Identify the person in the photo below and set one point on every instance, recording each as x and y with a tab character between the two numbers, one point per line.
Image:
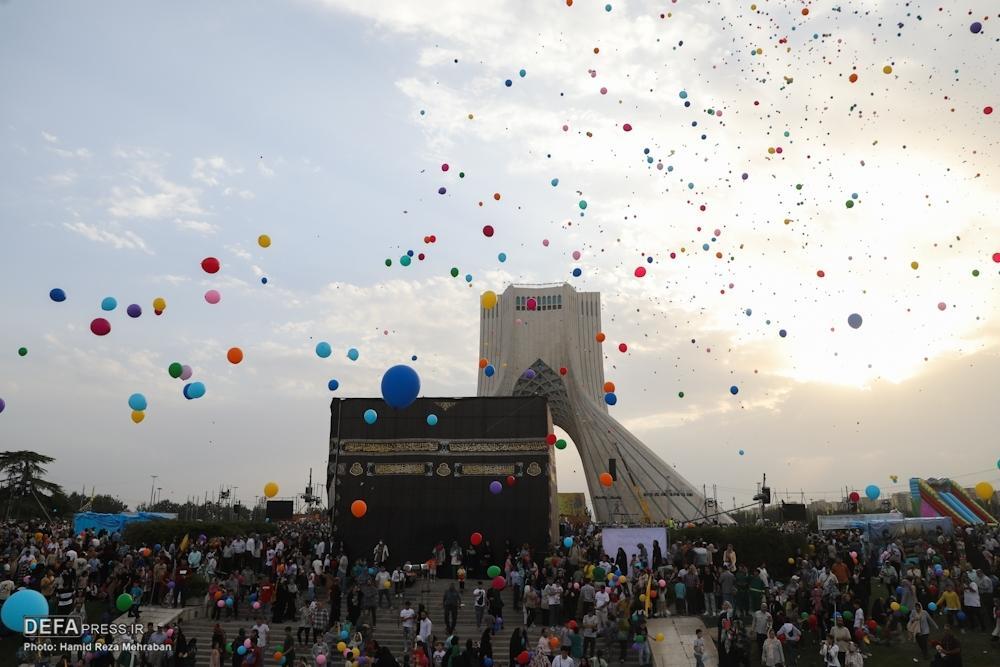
479	603
380	554
952	605
485	648
772	654
590	626
518	642
828	650
972	602
699	648
320	620
949	650
425	632
263	630
920	624
762	624
854	656
305	622
543	647
792	635
450	602
563	659
408	621
842	636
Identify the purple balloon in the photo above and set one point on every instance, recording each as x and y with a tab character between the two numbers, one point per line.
529	374
186	372
2	405
134	310
495	487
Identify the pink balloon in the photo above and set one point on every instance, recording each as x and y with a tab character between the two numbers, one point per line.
942	305
247	643
320	659
256	605
170	632
186	372
220	604
213	296
576	254
545	242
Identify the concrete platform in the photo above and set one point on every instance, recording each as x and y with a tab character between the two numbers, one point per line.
677	647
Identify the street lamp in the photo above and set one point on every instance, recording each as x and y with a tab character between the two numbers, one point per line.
151	491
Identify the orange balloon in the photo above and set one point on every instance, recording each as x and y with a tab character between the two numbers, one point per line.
235	355
609	387
359	508
553	642
483	363
606	479
600	337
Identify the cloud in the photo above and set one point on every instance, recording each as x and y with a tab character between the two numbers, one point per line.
51	138
152	196
198	226
242	194
212	170
264	169
62	178
124	240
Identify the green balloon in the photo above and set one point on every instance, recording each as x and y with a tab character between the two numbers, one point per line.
560	444
599	574
175	369
23	351
848	616
124	602
388	262
454	272
493	571
229	647
903	609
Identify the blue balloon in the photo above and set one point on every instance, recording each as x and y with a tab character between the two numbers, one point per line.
567	542
400	386
242	650
57	295
370	416
229	602
344	634
253	597
109	303
371	570
742	452
495	487
24	603
413	358
323	349
961	616
432	420
263	280
872	492
353	354
854	320
487	662
489	370
577	272
502	257
610	398
932	606
332	385
137	402
194	390
734	390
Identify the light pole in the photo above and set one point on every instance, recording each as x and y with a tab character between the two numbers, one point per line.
151	488
158	489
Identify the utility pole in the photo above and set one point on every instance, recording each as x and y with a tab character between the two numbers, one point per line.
151	492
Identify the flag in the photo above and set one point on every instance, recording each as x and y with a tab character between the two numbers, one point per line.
185	543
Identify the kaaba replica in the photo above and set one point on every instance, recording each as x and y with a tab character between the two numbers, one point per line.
425	484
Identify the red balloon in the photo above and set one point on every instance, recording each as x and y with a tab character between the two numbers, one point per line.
488	231
510	480
210	265
550	439
855	497
476	539
640	271
563	370
499	582
622	347
523	658
100	326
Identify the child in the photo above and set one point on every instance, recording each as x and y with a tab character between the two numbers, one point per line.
438	654
699	649
489	621
461	578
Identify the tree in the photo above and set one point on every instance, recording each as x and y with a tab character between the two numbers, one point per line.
25	484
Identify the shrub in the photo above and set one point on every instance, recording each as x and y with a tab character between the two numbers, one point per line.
166	531
754	544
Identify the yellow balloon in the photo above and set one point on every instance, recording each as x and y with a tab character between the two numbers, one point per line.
341	646
387	584
356	651
659	636
270	490
264	241
488	299
159	303
791	561
984	490
894	606
138	416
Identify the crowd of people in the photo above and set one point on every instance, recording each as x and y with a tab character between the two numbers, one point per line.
306	601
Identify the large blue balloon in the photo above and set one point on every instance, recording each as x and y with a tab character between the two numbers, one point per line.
109	303
854	320
400	386
353	354
610	398
194	390
872	492
323	349
57	295
370	416
24	603
137	402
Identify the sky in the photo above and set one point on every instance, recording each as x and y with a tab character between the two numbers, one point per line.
725	147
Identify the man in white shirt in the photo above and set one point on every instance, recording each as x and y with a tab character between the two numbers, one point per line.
239	552
426	631
563	659
601	600
251	546
407	619
554	594
792	635
479	603
263	629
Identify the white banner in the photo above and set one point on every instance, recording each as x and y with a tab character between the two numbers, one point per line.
629	539
852	521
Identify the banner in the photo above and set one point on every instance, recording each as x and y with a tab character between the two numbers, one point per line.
853	521
629	539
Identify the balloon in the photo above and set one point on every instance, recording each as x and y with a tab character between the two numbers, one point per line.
622	347
137	402
640	271
264	241
872	492
523	658
606	479
531	303
359	508
175	369
854	496
567	542
320	659
186	372
138	416
490	370
560	444
932	606
984	491
499	583
550	439
23	603
370	416
493	571
353	354
734	390
242	650
210	265
511	480
432	420
159	304
600	337
476	539
488	300
57	295
234	355
609	387
854	320
323	349
218	603
341	646
100	326
610	398
124	602
134	310
488	231
400	386
332	385
495	487
213	297
109	303
194	390
270	490
22	351
894	606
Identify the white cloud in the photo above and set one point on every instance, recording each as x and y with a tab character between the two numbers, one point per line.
264	169
62	178
211	170
127	239
242	194
152	196
198	226
51	138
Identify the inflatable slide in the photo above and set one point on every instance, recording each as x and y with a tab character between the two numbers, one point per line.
943	497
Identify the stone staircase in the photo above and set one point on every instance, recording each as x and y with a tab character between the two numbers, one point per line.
387	633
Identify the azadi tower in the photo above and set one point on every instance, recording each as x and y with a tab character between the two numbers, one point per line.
530	335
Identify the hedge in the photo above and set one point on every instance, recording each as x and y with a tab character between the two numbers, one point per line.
753	544
166	531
